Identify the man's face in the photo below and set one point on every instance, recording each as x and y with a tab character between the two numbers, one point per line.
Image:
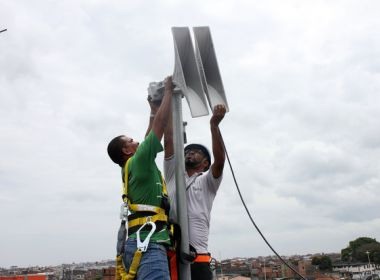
129	146
194	157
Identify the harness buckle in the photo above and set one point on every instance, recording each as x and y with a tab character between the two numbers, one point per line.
124	211
143	245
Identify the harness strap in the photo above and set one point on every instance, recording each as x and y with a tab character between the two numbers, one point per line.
173	264
187	258
134	265
143	220
125	179
121	274
202	258
192	182
159	213
144	207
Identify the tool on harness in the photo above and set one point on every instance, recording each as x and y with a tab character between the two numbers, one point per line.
123	230
124	211
122	235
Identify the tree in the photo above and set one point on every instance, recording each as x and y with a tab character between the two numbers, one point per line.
316	261
326	263
356	251
376	257
323	262
372	249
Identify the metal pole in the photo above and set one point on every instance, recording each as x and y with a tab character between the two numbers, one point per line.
184	267
369	263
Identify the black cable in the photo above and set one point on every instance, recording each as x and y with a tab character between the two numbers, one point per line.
250	217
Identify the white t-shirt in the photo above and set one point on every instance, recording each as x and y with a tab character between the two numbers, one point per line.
201	190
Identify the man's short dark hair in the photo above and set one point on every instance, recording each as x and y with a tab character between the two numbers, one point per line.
114	150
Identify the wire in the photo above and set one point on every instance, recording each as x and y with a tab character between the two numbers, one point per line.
250	216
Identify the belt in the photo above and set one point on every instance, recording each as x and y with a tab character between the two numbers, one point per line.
203	258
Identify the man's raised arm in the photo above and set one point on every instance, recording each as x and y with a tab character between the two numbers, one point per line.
162	116
217	141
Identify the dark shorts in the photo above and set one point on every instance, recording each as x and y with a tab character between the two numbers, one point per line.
201	271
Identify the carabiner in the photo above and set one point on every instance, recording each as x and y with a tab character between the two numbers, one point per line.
143	246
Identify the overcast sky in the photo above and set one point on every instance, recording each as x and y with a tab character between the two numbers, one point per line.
302	79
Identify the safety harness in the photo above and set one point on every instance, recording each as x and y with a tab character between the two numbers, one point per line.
141	216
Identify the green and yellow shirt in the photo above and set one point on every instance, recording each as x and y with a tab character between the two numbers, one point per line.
145	182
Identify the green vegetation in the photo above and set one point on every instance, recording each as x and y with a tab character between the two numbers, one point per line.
358	248
324	263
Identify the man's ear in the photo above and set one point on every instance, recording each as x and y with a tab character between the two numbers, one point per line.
125	150
205	164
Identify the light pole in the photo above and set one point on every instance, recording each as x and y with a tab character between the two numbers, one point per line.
191	77
185	67
369	262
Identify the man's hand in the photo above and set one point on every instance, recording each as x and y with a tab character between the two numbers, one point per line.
168	83
218	114
162	116
153	105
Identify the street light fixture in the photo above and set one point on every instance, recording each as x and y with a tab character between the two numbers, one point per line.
369	262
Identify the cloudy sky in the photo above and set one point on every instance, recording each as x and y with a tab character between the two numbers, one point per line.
302	79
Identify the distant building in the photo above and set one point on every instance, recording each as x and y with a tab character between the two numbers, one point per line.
109	273
356	270
42	276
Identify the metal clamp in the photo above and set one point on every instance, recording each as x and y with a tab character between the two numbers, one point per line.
124	210
143	246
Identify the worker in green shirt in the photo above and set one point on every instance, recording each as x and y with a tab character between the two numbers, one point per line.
145	193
